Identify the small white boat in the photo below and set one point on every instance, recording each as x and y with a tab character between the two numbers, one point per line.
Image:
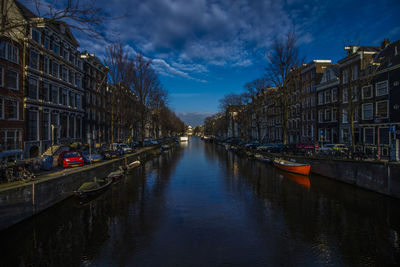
183	139
133	165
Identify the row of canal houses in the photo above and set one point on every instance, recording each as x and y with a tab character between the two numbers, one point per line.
323	96
50	92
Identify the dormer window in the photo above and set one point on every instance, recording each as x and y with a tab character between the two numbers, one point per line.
36	36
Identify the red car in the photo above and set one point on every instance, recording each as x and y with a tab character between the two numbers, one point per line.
70	159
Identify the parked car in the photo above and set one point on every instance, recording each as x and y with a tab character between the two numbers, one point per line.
91	157
252	145
264	147
70	159
127	149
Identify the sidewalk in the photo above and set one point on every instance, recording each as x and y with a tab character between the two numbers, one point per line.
59	171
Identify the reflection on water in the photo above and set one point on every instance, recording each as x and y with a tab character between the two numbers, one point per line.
204	206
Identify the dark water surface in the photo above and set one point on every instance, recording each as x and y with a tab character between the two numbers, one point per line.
200	205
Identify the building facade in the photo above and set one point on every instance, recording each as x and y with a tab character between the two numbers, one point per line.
12	126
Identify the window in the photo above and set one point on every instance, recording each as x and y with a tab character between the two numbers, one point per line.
354	75
78	101
344	116
345	135
9	51
327	97
32	125
12	109
71	127
366	92
72	58
369	136
34	60
65	54
355	94
36	36
56	48
71	99
327	115
64	99
345	95
381	88
382	108
79	64
54	94
334	94
320	98
12	53
334	114
1	76
46	92
320	115
367	111
345	76
47	43
64	73
78	80
46	126
2	108
33	88
384	135
71	77
10	139
46	68
12	80
55	69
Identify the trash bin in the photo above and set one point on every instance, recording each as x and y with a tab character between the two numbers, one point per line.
46	162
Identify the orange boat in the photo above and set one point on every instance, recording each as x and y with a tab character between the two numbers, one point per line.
299	168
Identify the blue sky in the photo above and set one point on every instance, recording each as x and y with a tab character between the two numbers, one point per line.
204	49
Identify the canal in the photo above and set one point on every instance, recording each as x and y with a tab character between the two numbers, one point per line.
200	205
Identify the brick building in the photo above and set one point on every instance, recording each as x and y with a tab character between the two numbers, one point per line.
11	100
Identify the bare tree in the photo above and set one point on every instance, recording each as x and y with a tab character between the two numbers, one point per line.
283	57
83	15
254	98
144	82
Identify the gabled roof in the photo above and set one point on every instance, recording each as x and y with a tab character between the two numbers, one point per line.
387	56
55	25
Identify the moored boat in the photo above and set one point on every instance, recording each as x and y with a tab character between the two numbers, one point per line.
116	175
133	165
299	168
90	189
262	158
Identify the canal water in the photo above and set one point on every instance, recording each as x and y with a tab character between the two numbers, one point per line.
200	205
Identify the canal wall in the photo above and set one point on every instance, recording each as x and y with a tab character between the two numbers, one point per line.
22	201
381	177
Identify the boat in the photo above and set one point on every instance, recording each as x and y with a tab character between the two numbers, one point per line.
132	165
262	158
183	139
90	189
165	147
294	167
116	175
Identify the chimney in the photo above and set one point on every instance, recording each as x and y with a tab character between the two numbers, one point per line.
385	43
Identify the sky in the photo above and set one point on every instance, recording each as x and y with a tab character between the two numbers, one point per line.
205	49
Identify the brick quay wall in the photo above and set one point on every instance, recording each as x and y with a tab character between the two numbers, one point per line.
22	201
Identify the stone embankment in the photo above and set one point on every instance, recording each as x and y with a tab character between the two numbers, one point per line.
22	201
378	176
